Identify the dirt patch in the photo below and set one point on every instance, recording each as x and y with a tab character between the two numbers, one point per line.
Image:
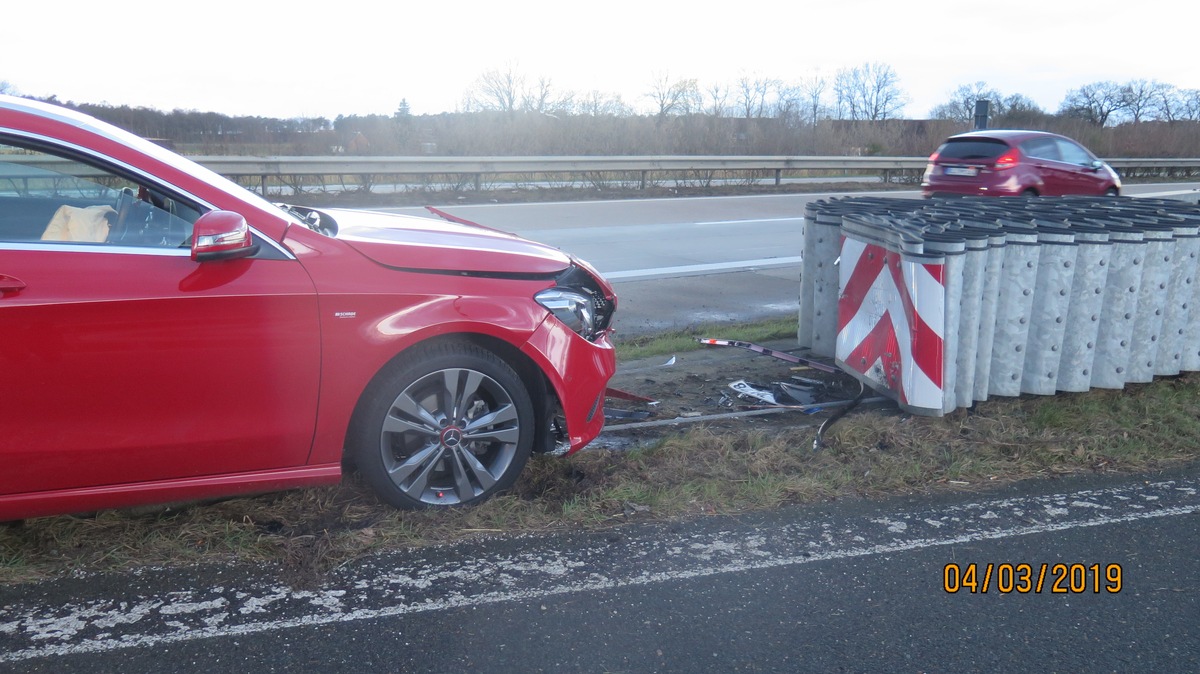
695	387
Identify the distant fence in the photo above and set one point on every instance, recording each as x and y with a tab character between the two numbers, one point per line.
272	174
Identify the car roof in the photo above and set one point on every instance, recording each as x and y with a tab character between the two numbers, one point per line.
1009	135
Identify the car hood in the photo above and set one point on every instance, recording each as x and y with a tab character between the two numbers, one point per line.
424	244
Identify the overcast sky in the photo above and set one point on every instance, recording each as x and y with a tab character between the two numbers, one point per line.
301	58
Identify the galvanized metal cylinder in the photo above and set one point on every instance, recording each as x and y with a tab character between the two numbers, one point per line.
1110	367
1152	296
1018	279
1087	303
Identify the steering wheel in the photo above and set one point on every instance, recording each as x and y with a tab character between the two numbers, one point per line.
124	208
145	217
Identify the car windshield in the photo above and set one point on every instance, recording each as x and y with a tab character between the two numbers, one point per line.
972	148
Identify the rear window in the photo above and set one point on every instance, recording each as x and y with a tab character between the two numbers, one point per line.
972	148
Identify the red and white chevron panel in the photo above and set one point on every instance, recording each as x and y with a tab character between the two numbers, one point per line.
891	323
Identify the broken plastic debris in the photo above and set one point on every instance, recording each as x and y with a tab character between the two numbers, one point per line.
750	391
799	394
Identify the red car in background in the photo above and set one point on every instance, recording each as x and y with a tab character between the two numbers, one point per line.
1016	163
169	336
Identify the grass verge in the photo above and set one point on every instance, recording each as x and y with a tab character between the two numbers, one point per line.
694	473
684	340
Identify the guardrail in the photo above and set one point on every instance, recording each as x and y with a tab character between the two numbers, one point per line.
297	172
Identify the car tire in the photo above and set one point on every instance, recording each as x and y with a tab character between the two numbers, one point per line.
447	424
1029	193
1111	192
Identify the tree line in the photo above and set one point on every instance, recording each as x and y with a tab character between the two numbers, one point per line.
855	112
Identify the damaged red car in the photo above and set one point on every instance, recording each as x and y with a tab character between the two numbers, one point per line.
171	337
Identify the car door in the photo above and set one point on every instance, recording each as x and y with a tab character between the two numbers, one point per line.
1047	164
1083	178
125	361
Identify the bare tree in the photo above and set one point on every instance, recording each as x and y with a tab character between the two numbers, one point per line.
870	92
1140	98
1168	103
599	104
1020	111
813	90
1095	103
497	90
752	93
1189	104
961	106
7	88
718	100
674	98
539	97
789	105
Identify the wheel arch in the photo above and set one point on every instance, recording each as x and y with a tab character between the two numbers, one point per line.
544	397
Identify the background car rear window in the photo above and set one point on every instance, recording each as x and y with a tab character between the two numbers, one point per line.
972	148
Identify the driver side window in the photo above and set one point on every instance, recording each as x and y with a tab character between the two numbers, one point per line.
49	198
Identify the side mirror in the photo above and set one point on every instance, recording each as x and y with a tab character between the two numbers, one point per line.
221	235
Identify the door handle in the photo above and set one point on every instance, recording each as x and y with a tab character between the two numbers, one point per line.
10	284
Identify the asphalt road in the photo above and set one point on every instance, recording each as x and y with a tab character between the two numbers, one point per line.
849	586
679	262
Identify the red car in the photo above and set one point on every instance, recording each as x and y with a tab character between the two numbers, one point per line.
1016	163
169	336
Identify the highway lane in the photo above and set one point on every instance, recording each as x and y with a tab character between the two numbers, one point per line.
679	262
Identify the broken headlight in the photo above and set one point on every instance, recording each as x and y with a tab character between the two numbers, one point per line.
573	308
578	301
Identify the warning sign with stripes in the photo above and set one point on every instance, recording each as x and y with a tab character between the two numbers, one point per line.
891	323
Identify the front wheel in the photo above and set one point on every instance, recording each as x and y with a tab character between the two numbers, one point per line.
449	424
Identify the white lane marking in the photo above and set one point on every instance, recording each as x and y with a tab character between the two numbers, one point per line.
528	569
742	222
695	269
1159	195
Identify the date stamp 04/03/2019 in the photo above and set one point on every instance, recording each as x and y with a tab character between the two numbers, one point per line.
1058	578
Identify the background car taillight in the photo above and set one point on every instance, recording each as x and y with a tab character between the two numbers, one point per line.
1007	160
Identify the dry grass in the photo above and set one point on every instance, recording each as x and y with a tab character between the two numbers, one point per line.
696	473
